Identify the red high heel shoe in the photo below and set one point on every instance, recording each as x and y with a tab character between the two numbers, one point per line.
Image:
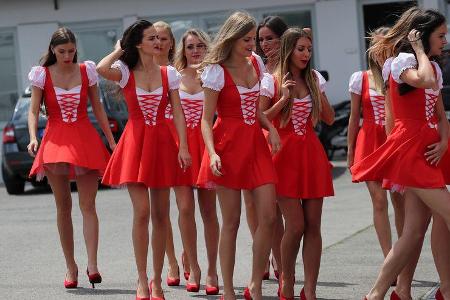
247	295
94	278
394	296
438	295
185	273
275	271
302	294
139	298
212	289
151	296
71	284
193	287
173	281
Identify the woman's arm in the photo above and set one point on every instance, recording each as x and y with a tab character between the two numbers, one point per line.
100	115
424	76
33	118
184	157
437	150
209	108
272	111
274	138
389	113
327	113
104	66
353	127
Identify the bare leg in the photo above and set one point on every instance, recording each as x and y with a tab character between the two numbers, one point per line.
265	204
436	199
141	216
160	216
173	270
61	190
380	215
276	242
188	229
87	186
312	244
250	212
398	202
416	222
292	211
207	203
440	246
230	206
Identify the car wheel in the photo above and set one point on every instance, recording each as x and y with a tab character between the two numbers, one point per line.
14	184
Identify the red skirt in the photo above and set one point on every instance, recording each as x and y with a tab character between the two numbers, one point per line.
76	147
370	137
244	154
302	166
144	154
401	159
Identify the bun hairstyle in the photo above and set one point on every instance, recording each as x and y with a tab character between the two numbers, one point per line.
164	25
274	23
396	39
288	42
180	61
61	36
132	37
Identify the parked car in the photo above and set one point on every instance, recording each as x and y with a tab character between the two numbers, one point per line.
16	162
446	77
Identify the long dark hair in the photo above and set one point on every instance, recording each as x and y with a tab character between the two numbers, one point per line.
396	40
61	36
132	37
274	23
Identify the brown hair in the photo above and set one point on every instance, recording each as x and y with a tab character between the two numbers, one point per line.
164	25
180	61
61	36
374	66
288	41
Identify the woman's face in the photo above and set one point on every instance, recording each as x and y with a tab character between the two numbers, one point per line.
165	41
268	41
438	40
194	50
246	44
150	44
301	54
65	52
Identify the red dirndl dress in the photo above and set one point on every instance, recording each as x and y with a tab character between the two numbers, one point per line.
238	140
301	164
70	145
146	152
192	105
401	159
372	133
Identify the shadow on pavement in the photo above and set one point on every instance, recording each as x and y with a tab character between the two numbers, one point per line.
85	291
423	283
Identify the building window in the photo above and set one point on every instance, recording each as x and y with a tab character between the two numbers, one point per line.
8	75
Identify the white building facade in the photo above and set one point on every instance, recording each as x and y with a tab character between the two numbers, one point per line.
339	28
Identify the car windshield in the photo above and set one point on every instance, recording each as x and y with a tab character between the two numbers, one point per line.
112	96
21	110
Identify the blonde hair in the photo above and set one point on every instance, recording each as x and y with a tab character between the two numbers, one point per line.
180	61
234	28
288	42
374	65
164	25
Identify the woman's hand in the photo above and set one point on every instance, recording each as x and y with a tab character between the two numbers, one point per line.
414	37
215	164
274	140
33	147
350	159
117	46
184	158
286	85
437	150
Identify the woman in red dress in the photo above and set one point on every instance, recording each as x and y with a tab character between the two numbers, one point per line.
295	106
189	55
146	156
411	153
237	155
268	36
65	153
367	96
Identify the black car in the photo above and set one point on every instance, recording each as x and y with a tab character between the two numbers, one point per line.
16	162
